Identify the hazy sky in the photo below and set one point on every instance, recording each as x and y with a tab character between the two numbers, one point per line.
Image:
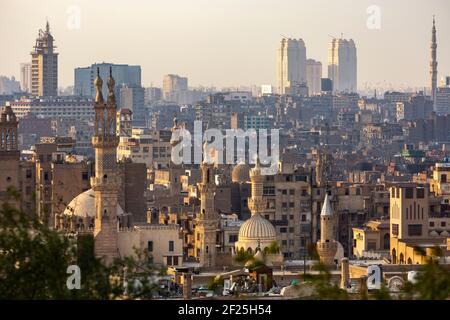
226	42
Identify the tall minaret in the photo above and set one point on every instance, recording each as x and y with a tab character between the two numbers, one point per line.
106	182
433	64
327	245
256	203
207	222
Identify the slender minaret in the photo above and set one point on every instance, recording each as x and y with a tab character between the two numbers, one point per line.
106	181
256	202
207	223
433	64
327	245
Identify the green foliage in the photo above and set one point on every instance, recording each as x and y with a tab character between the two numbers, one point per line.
324	288
242	257
432	283
273	248
34	261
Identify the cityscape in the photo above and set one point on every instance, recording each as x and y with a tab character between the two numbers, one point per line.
325	181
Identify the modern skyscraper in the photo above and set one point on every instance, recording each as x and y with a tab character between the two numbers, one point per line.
25	77
173	86
342	65
123	74
313	76
132	98
291	63
44	65
433	64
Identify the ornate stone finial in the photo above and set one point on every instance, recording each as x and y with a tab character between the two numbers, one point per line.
98	83
111	85
47	27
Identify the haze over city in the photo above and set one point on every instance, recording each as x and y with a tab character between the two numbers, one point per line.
227	43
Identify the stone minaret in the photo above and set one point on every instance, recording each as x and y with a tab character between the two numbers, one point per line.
433	64
327	246
9	154
256	203
106	182
207	223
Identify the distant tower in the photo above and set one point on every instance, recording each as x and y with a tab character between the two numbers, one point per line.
327	246
433	64
291	64
256	203
106	182
207	223
342	65
44	65
9	153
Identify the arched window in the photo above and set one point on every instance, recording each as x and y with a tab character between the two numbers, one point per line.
409	261
386	241
401	259
207	249
394	256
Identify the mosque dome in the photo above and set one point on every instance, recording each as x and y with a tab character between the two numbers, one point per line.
83	206
241	173
256	234
257	228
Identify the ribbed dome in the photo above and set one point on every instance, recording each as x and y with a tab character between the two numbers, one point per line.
257	228
241	173
83	206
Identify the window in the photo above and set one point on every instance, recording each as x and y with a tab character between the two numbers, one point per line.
358	191
284	191
291	217
169	260
291	205
29	174
283	230
150	246
414	230
84	176
303	217
304	193
284	242
232	238
291	230
175	260
284	204
442	223
269	191
291	192
395	229
443	178
409	193
371	245
284	217
431	223
420	193
171	246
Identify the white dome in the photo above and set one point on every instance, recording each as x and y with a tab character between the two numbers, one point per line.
257	228
83	206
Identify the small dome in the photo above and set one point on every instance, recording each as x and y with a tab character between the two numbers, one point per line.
241	173
83	206
257	228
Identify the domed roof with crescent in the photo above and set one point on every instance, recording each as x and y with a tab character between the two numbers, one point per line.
83	206
257	228
241	173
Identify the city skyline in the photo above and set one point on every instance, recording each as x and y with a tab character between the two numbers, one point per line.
234	50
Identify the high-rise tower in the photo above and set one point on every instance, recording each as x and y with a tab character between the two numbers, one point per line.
327	245
44	65
291	62
106	182
433	64
342	65
207	223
